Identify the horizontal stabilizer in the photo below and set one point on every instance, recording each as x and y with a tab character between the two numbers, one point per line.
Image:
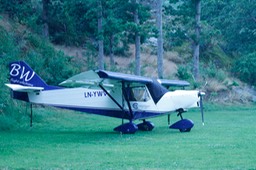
20	88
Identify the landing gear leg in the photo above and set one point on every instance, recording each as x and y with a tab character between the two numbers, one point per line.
168	119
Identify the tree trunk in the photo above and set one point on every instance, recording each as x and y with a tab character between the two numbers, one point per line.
137	40
160	49
137	53
111	42
196	46
100	37
45	30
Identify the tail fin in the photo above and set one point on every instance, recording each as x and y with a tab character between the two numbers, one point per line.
23	80
22	74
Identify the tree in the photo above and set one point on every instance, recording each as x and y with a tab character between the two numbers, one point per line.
236	21
196	43
45	14
186	15
244	68
137	38
159	38
114	16
100	37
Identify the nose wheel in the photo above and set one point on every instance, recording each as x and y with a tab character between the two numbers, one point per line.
184	125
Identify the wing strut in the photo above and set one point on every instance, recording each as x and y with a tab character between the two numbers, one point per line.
112	98
126	97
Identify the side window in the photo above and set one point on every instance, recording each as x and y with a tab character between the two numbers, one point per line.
140	94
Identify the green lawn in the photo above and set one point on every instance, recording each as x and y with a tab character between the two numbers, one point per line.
70	140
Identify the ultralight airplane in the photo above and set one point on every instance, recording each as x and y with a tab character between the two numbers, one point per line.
110	94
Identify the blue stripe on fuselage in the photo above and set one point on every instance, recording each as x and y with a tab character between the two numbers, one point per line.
112	113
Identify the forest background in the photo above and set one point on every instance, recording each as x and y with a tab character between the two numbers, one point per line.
209	43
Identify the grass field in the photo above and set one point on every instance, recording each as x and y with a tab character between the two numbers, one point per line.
78	141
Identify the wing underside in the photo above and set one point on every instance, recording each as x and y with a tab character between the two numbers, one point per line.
173	83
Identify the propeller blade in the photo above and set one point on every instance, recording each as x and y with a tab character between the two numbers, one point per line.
201	94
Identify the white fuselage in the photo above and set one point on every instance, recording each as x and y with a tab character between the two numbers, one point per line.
98	99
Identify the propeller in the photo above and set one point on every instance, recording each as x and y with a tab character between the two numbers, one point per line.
201	94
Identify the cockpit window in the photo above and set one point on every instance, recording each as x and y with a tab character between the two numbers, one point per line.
138	94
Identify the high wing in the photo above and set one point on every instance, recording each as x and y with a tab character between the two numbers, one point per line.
105	78
123	77
90	78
